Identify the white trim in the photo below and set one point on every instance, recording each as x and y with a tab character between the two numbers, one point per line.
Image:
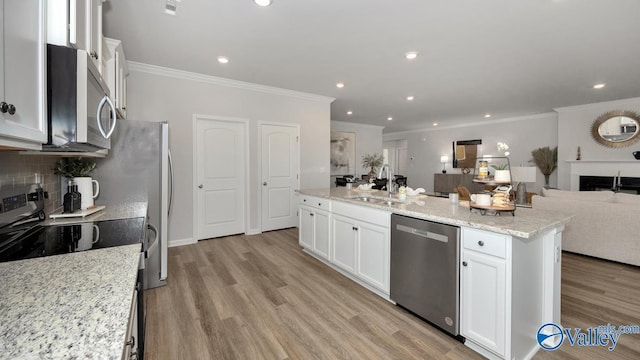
272	123
209	79
181	242
477	123
247	202
347	123
612	103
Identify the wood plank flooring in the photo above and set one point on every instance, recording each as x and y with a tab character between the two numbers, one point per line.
261	297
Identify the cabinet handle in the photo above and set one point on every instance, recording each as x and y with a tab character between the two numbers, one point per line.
4	107
319	204
481	243
305	200
94	55
12	109
355	228
464	263
310	214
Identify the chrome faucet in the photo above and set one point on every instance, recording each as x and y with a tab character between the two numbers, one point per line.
389	185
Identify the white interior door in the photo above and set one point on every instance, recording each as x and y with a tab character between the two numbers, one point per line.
220	178
279	169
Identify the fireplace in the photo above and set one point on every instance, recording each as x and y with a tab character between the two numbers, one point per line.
599	183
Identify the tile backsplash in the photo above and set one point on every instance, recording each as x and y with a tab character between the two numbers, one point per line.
25	169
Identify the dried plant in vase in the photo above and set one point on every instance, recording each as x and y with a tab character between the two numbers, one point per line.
546	159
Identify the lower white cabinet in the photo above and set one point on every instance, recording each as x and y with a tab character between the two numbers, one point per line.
483	289
314	225
130	351
360	243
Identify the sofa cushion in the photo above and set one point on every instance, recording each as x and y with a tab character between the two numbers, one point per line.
625	198
603	196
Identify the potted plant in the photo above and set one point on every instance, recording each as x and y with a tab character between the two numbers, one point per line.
502	173
372	162
546	159
78	172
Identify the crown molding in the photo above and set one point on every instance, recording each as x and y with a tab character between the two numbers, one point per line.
214	80
591	106
478	123
347	123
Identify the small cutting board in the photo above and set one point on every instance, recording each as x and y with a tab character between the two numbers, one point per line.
79	213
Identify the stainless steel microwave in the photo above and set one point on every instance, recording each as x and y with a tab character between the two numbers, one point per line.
81	114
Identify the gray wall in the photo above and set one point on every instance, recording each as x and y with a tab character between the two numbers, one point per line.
574	129
522	134
160	94
368	141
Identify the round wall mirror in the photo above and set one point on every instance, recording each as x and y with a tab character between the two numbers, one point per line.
617	128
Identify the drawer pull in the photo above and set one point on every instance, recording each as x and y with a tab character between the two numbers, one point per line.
464	263
481	243
319	204
310	214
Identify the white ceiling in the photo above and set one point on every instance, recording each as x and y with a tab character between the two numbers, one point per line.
503	57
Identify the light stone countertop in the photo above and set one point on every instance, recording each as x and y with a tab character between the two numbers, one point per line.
110	212
526	223
72	306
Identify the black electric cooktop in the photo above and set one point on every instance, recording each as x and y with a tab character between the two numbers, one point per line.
32	240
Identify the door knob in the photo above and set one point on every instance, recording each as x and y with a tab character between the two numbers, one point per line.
200	186
464	263
264	183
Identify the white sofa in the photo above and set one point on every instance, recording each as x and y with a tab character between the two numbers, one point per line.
605	224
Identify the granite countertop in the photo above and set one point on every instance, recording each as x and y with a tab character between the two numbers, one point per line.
110	212
72	306
526	223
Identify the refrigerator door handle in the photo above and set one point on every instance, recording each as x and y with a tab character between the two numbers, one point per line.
171	184
155	240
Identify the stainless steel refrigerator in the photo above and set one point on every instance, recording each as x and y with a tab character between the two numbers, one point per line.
138	168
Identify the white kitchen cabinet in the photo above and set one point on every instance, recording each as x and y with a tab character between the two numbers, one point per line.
373	255
94	32
76	23
115	74
23	116
343	239
483	297
360	243
314	225
130	351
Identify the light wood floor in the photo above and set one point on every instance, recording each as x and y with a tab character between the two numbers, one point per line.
261	297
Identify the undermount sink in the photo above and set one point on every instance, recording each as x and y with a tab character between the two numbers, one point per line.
377	200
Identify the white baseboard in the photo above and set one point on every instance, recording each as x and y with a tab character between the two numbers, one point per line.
181	242
253	232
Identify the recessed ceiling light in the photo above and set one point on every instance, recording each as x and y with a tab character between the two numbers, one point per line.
340	85
435	124
411	55
487	115
223	59
598	86
349	112
389	118
410	98
263	2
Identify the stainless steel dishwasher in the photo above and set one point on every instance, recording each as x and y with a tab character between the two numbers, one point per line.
424	270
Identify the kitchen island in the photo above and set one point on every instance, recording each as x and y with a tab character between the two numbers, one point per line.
72	306
509	266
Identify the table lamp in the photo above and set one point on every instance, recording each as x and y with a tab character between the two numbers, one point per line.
443	160
522	175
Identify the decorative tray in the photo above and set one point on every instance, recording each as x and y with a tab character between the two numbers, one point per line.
79	213
492	209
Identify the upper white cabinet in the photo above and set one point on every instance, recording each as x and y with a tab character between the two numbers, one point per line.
115	74
22	75
76	23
